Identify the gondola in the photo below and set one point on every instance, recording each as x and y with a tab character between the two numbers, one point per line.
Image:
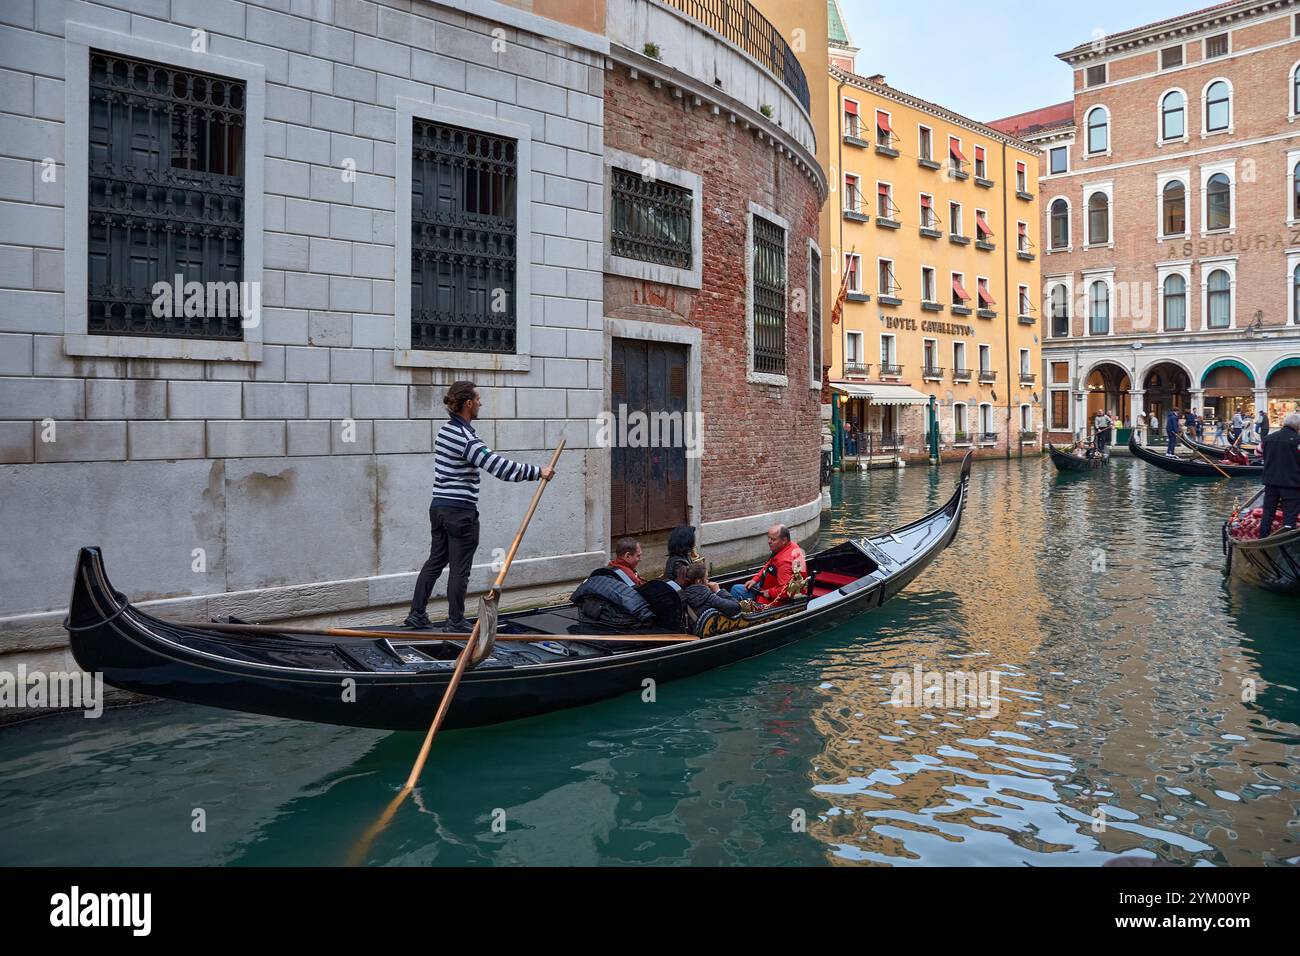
1193	467
397	684
1064	461
1272	563
1218	451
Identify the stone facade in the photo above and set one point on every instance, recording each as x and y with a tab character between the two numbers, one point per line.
1160	350
289	474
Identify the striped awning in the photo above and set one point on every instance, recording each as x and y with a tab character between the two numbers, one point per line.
882	394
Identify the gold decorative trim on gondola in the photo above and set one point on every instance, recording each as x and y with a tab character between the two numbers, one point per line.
717	623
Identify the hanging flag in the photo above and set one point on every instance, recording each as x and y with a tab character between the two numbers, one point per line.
838	311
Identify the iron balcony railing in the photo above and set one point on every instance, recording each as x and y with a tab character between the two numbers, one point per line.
961	375
987	376
893	371
737	22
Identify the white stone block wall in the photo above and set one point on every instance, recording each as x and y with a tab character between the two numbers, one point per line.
303	478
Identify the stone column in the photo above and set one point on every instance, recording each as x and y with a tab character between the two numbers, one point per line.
1197	398
1261	401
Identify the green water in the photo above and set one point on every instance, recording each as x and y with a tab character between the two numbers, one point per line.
1123	658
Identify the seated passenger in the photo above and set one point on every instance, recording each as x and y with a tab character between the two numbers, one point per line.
666	601
627	555
681	550
785	573
702	594
607	599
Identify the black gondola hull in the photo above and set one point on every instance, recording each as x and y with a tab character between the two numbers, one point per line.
1072	463
139	653
1193	468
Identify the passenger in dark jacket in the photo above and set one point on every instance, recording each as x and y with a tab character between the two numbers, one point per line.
605	598
666	601
1282	475
681	550
702	594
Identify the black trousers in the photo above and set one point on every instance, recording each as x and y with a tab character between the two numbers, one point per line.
1290	500
454	533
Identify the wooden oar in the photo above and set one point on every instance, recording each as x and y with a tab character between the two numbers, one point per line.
360	851
1204	458
416	636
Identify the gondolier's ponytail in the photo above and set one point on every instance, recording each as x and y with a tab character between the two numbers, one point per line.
458	393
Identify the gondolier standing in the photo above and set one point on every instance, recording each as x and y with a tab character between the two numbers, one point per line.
1282	474
458	454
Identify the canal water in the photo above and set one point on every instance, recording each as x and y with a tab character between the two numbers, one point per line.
1143	706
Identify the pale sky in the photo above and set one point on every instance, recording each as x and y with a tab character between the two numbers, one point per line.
987	58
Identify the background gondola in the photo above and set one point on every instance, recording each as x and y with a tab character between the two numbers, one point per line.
1064	461
1193	467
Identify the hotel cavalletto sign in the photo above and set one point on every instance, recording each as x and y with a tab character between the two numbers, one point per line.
931	326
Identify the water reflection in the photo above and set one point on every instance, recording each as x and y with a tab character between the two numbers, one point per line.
1144	706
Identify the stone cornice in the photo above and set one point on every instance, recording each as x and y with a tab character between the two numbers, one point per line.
1176	27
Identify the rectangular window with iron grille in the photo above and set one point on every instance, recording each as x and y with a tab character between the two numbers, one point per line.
165	198
769	280
651	219
463	239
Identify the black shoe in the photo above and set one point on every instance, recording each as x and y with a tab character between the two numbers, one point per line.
417	619
460	627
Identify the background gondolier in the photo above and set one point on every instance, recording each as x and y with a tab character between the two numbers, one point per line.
1282	474
453	513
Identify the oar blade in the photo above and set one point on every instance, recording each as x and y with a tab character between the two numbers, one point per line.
487	628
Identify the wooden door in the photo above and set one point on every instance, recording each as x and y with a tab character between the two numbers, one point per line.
647	478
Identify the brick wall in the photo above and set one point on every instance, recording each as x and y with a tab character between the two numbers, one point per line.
761	443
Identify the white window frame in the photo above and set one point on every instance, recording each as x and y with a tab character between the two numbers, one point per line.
1163	271
844	190
930	130
880	260
857	104
959	343
1022	232
1292	263
1183	176
1205	46
961	218
1206	132
982	351
984	213
1091	276
1160	118
960	277
1026	366
1022	166
1292	159
1160	58
1051	283
408	110
1026	426
77	340
1208	170
1110	133
889	187
1069	226
814	360
691	278
1022	299
976	149
1065	145
856	273
920	209
924	343
934	276
982	430
1291	113
891	351
875	119
861	337
751	376
1229	265
1089	190
1105	67
965	407
979	304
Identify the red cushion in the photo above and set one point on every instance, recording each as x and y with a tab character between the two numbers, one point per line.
833	579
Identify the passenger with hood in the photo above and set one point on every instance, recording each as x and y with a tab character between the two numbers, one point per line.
681	550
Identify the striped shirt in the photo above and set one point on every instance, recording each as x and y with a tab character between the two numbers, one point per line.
458	454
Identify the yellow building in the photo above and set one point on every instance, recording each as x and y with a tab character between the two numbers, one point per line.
933	221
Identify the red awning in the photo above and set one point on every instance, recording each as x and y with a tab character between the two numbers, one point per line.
955	149
979	153
985	298
882	188
883	121
1023	228
851	108
959	289
925	202
983	226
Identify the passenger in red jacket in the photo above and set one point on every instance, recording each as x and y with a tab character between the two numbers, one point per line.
770	586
